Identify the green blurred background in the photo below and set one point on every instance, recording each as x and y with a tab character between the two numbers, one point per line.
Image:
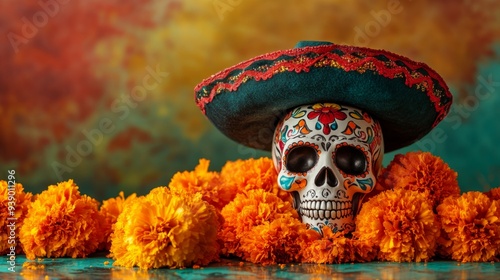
102	91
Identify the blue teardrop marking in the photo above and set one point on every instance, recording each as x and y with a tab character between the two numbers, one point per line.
318	126
334	125
364	183
286	182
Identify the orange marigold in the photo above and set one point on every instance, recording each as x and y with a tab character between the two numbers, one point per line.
110	210
494	193
402	223
166	230
336	248
423	172
14	205
61	223
209	184
247	210
251	174
471	227
273	241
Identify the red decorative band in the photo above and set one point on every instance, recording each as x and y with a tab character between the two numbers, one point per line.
347	58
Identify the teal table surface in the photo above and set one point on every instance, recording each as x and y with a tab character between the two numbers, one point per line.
100	267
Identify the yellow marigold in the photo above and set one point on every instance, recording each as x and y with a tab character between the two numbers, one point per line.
423	172
166	230
209	184
14	205
273	242
336	248
402	223
61	223
110	210
494	193
251	174
247	210
471	227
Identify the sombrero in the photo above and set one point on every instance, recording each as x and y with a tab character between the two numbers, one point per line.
246	101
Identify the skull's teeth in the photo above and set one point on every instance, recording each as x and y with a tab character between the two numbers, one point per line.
326	214
326	205
326	209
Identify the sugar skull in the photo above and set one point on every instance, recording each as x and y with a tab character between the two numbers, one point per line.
328	156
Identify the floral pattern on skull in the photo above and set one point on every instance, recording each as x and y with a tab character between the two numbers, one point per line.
328	157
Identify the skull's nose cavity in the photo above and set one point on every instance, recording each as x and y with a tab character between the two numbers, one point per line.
325	174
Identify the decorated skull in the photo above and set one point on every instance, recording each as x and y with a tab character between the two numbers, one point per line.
328	156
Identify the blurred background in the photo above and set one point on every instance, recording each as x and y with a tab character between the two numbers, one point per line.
102	91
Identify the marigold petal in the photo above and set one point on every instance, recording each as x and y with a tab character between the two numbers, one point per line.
61	223
422	172
14	203
164	229
245	175
273	242
110	210
247	210
494	193
337	248
401	223
207	183
471	228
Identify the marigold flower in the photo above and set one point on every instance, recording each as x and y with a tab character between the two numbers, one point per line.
402	223
493	193
14	203
336	248
247	210
209	184
251	174
471	228
110	210
274	241
61	223
166	230
423	172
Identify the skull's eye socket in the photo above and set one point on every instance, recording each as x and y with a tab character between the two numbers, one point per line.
301	159
351	160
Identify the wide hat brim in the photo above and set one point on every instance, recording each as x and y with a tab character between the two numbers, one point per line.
246	101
